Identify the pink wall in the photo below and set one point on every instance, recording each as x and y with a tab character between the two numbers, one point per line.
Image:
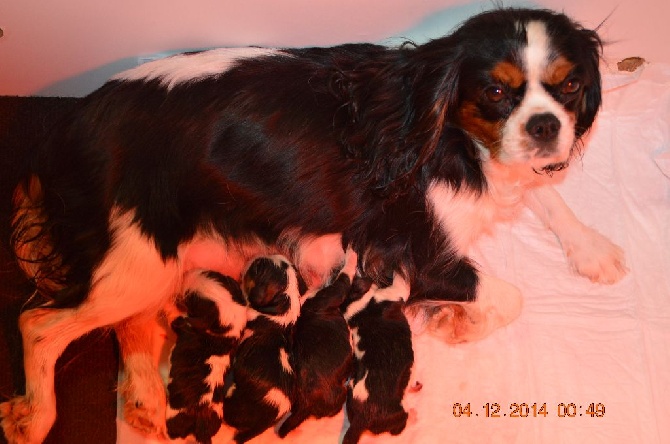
71	46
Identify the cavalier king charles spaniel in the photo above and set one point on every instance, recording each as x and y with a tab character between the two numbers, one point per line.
204	160
208	324
382	342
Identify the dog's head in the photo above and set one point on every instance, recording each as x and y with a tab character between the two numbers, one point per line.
523	84
270	285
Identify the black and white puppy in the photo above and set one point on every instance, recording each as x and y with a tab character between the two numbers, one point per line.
208	332
322	354
206	160
382	342
262	376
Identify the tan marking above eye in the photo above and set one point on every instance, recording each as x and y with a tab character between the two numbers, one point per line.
557	71
509	74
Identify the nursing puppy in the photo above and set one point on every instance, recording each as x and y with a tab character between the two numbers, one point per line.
322	355
208	331
208	159
382	342
262	376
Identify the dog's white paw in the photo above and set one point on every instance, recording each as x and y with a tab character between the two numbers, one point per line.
24	422
144	411
144	395
498	303
595	257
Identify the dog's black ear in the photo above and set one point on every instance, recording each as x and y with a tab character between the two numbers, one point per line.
591	49
441	61
436	99
359	287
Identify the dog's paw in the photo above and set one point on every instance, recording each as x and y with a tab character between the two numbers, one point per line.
201	421
145	400
595	257
498	303
23	423
454	324
145	413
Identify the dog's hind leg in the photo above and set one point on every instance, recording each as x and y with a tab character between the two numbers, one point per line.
497	304
142	388
131	279
46	333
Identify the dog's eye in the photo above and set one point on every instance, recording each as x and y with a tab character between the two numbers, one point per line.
495	93
571	86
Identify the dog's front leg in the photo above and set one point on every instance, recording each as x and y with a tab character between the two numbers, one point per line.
589	253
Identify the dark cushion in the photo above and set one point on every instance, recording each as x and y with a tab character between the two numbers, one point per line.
86	373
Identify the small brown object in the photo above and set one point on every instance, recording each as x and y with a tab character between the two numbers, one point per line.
415	388
630	64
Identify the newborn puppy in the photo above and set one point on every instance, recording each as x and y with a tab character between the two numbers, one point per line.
262	376
207	333
322	354
383	353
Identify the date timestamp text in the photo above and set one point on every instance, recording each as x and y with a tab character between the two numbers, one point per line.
529	410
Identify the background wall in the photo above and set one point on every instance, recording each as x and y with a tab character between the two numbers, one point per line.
69	47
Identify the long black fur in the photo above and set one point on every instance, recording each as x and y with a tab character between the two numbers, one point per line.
351	135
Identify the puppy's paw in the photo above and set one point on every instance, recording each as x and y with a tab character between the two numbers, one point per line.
595	257
23	422
201	422
498	303
145	400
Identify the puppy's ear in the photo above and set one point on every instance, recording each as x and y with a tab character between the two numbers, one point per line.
359	287
179	324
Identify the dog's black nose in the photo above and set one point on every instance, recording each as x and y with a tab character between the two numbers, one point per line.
543	127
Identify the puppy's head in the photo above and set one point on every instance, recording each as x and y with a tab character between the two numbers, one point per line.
270	285
528	86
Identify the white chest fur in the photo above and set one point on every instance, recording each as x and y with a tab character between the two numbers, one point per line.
464	214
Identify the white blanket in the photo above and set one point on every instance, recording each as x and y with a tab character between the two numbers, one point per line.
584	363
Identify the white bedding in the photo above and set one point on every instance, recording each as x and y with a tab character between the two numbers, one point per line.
576	343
